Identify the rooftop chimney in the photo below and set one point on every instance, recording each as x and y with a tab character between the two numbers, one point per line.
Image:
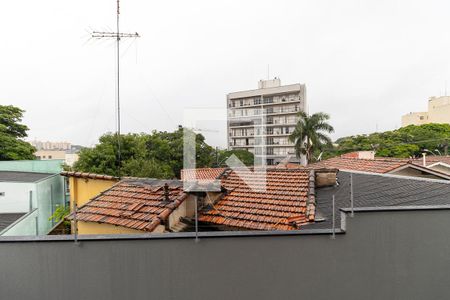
360	155
166	192
424	159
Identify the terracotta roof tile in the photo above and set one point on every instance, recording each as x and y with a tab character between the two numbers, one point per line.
132	203
281	206
88	175
201	173
377	165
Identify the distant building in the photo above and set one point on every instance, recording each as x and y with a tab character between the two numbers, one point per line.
438	112
39	145
60	151
271	104
50	154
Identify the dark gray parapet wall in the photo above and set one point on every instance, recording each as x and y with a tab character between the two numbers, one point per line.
383	255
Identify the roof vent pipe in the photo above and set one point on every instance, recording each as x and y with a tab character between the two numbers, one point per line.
424	159
166	192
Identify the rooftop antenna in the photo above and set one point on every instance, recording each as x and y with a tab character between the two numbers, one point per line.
268	72
118	36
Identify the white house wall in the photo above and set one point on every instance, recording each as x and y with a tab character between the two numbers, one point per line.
16	197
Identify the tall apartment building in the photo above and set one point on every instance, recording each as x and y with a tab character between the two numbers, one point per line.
261	120
438	112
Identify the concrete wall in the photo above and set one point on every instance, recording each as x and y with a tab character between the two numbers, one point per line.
383	255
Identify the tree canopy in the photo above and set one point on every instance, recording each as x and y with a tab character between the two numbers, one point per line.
12	147
244	156
405	142
155	155
310	134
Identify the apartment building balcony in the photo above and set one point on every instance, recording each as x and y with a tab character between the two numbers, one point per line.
274	134
266	113
272	124
265	104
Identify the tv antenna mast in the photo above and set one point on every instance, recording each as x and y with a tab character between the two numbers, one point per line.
118	36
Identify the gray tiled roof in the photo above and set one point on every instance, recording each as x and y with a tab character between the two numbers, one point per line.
13	176
8	219
376	190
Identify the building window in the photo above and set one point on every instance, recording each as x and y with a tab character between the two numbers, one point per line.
257	101
270	162
2	194
49	157
268	100
241	102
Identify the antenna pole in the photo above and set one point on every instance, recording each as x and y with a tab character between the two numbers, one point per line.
119	152
118	36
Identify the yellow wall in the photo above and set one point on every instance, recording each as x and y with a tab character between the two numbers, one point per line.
102	228
82	189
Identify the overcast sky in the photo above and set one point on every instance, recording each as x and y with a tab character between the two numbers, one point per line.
364	62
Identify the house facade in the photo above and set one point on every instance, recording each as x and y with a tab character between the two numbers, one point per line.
33	197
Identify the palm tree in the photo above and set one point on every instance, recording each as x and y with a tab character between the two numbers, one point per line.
310	134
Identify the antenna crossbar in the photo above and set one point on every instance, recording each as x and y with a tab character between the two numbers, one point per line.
113	35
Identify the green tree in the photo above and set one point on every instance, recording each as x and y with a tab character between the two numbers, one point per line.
12	147
246	157
310	134
405	142
155	155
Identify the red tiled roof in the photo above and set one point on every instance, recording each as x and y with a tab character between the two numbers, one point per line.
377	165
201	173
133	203
285	205
88	175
